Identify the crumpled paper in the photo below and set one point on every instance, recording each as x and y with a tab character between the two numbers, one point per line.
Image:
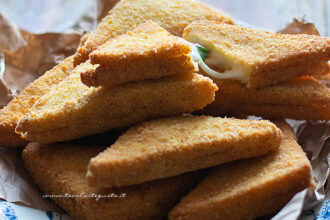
24	56
300	27
56	35
16	185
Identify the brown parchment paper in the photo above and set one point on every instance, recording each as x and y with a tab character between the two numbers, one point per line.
24	56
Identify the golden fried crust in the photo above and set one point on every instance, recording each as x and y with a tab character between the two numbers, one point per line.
172	15
60	169
72	110
83	39
23	103
278	111
147	52
172	146
148	39
301	98
268	58
299	91
249	188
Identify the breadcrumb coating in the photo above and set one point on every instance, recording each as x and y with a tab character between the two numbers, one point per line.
303	98
320	112
147	52
83	39
172	15
72	110
249	188
172	146
60	169
24	102
265	58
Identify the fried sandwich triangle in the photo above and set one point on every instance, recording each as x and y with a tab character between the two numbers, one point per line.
147	52
172	146
72	110
259	58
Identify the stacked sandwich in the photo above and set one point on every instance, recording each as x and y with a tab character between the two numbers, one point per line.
137	83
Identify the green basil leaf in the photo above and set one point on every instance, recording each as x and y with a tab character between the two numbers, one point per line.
203	52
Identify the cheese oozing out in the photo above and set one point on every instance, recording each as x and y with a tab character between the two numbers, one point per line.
232	70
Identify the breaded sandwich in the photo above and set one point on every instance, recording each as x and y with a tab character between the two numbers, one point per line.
258	58
303	98
147	52
72	110
23	103
60	170
172	146
172	15
249	188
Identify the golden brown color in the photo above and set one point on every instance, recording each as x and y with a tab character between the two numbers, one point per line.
147	52
23	103
72	110
325	79
172	146
83	39
172	15
263	58
301	98
279	111
250	188
60	169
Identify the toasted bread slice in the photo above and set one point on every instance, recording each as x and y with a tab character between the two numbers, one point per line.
300	98
60	170
23	103
147	52
259	58
172	15
72	110
172	146
249	188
